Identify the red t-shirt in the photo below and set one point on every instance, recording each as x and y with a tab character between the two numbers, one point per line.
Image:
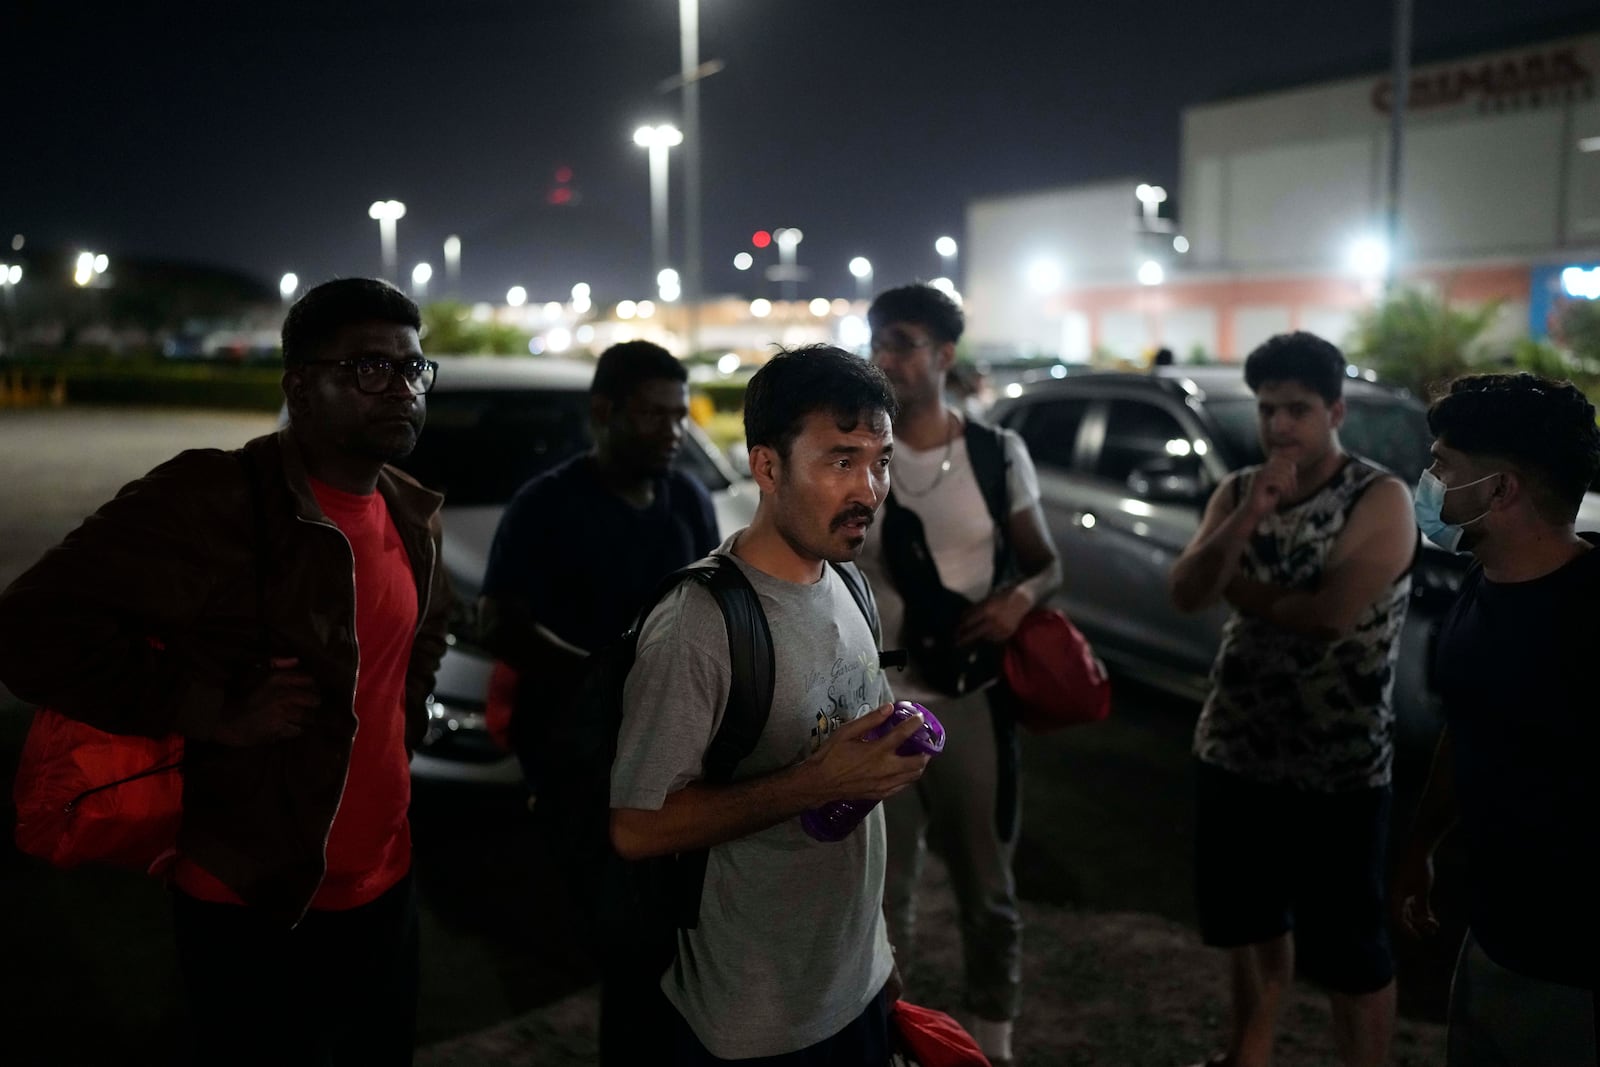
369	845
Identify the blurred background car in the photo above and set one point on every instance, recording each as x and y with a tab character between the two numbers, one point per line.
1126	464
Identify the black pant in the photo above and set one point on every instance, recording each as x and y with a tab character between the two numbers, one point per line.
863	1043
340	988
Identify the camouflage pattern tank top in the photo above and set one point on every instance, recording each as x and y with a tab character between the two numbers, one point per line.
1290	709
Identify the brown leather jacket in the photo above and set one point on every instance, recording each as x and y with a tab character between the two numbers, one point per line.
173	557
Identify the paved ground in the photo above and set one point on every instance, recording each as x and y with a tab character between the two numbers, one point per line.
1114	971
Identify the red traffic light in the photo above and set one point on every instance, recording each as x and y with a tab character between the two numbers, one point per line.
761	239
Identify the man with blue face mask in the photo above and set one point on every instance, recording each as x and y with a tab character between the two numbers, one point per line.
1513	457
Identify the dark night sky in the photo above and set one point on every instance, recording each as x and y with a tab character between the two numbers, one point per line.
254	135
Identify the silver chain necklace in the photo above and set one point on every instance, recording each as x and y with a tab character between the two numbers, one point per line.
944	464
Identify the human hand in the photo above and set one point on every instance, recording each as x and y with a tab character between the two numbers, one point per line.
276	709
994	618
1410	893
1275	482
849	767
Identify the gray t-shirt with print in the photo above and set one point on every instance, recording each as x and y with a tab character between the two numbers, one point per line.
791	944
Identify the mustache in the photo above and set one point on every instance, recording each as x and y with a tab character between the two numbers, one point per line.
855	514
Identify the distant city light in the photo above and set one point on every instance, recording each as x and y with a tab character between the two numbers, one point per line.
1180	244
13	274
581	291
1151	273
788	238
646	309
841	306
728	363
1580	283
743	261
854	332
947	287
552	310
820	307
761	238
1044	275
861	267
1150	194
421	274
584	334
1368	256
667	277
760	307
945	246
663	136
386	210
516	296
627	309
288	285
558	339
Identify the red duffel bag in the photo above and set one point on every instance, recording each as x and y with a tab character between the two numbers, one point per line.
86	796
927	1038
1055	679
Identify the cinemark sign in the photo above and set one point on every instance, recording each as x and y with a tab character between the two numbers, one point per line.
1533	79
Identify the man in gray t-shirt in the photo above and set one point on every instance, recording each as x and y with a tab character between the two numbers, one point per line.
790	954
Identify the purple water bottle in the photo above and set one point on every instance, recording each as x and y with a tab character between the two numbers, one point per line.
833	822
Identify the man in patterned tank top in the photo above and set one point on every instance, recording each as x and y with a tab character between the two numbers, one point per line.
1312	550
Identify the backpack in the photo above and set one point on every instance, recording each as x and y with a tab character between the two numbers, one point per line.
638	906
933	612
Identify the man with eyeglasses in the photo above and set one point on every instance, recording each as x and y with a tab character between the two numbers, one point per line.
282	608
961	554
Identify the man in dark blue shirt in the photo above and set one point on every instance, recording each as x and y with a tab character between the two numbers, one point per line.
578	551
1513	457
582	546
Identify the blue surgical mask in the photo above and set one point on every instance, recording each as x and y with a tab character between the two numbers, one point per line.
1429	503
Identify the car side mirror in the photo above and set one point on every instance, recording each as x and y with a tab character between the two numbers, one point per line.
1168	481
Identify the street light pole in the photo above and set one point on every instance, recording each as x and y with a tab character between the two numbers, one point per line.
947	249
1399	96
689	49
788	240
421	274
657	140
861	267
387	213
452	265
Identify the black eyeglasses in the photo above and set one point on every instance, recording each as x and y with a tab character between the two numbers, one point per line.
373	373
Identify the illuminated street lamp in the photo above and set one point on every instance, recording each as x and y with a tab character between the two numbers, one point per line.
861	267
668	287
288	285
387	213
1151	197
658	139
88	267
516	296
946	247
421	274
788	240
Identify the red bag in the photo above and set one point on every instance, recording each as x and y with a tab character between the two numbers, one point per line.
1054	677
931	1038
86	796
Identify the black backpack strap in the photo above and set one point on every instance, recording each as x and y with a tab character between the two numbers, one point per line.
986	451
861	593
751	668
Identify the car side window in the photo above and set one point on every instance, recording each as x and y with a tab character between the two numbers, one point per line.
1050	430
1145	438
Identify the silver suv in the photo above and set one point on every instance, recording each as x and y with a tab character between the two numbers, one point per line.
1126	464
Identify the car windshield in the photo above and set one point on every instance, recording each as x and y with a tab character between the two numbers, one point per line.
1388	431
480	446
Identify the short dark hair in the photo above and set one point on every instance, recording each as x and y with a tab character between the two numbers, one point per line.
325	310
798	381
1300	357
1543	427
624	367
921	304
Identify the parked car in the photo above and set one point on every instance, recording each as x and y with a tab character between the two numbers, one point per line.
1126	464
493	423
